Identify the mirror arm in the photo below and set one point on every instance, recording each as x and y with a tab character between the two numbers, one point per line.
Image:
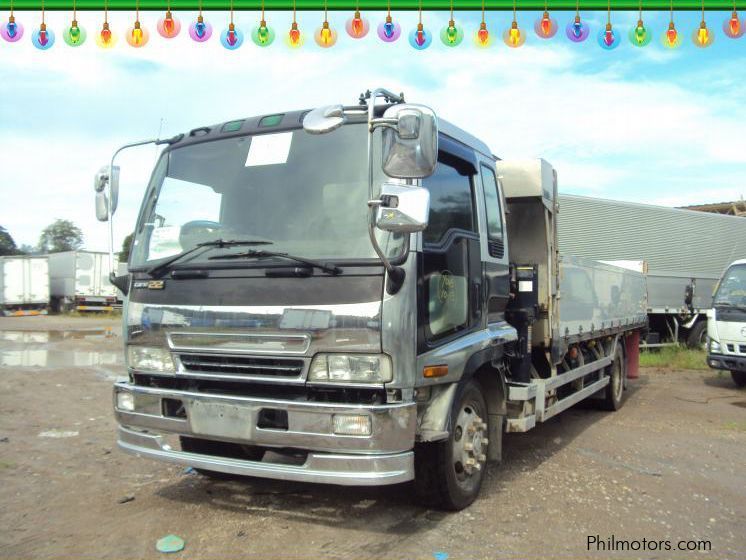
395	273
110	204
383	123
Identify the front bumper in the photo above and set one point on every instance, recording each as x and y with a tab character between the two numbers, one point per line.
383	457
726	361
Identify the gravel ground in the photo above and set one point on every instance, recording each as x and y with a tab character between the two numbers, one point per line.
669	465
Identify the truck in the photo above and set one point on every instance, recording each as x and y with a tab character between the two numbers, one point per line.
24	285
684	251
726	325
350	295
79	281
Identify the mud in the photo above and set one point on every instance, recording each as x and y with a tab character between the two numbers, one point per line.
668	465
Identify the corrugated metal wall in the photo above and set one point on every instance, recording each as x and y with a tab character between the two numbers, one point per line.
672	241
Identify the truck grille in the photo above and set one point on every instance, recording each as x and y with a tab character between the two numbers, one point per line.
238	365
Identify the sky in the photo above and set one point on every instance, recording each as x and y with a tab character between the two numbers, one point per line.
638	124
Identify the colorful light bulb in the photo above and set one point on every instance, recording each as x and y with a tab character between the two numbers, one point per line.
607	38
74	35
357	26
639	35
11	31
388	31
43	38
231	38
545	26
671	38
200	30
105	38
294	37
168	26
137	35
420	38
451	34
733	27
702	37
513	36
577	31
325	36
482	37
262	35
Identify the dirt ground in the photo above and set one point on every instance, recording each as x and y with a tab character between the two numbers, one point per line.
670	465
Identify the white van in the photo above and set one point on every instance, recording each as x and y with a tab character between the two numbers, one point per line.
726	324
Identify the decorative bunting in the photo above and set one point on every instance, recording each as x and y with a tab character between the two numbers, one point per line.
325	36
420	38
106	39
389	31
200	30
231	38
482	37
734	27
513	36
577	31
11	31
137	35
607	37
43	38
168	26
702	37
545	26
639	35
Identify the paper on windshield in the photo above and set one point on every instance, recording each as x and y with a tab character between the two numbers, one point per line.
269	149
164	242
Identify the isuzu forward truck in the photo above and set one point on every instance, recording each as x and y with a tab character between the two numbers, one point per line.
357	295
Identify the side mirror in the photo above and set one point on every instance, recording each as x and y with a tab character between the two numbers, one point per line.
100	181
121	282
403	209
410	141
102	207
324	119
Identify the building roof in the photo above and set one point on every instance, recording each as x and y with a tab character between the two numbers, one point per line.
734	208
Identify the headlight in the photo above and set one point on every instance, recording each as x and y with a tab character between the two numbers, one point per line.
149	359
714	346
351	368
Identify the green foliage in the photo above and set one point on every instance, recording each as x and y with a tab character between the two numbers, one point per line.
62	235
124	254
674	357
7	244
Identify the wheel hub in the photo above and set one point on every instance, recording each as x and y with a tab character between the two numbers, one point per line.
470	443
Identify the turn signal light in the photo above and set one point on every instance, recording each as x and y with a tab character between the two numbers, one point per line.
435	371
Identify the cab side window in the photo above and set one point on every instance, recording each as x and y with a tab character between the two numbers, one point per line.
494	213
451	206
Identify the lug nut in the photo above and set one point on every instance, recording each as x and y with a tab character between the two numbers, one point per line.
470	462
471	429
483	425
485	441
482	457
478	466
469	447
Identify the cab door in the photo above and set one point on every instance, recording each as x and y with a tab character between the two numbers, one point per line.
449	287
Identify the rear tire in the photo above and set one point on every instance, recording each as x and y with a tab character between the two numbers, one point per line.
739	378
614	391
220	449
697	338
449	474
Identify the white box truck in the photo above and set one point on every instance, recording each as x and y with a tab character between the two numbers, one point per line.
726	324
24	285
79	280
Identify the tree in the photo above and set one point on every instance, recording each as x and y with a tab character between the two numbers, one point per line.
62	235
7	244
124	254
27	249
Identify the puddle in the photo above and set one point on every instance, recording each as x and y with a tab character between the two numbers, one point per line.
43	358
43	337
39	349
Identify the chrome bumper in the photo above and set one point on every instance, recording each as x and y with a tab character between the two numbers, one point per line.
383	457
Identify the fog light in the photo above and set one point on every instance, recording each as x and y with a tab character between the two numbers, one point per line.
349	425
126	401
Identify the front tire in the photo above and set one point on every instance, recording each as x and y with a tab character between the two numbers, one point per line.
697	338
739	378
449	474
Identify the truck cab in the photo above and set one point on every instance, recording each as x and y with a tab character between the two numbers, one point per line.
726	324
328	296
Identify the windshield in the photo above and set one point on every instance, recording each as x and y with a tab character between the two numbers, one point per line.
303	194
732	289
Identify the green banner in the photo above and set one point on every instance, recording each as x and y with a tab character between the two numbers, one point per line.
348	5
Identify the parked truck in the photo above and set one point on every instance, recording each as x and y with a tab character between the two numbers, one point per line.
339	296
79	281
24	285
684	252
726	326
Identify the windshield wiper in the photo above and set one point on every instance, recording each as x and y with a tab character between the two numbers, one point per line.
159	269
258	254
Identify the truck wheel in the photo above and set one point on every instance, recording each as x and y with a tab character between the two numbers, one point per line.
614	392
221	449
697	336
739	378
448	474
